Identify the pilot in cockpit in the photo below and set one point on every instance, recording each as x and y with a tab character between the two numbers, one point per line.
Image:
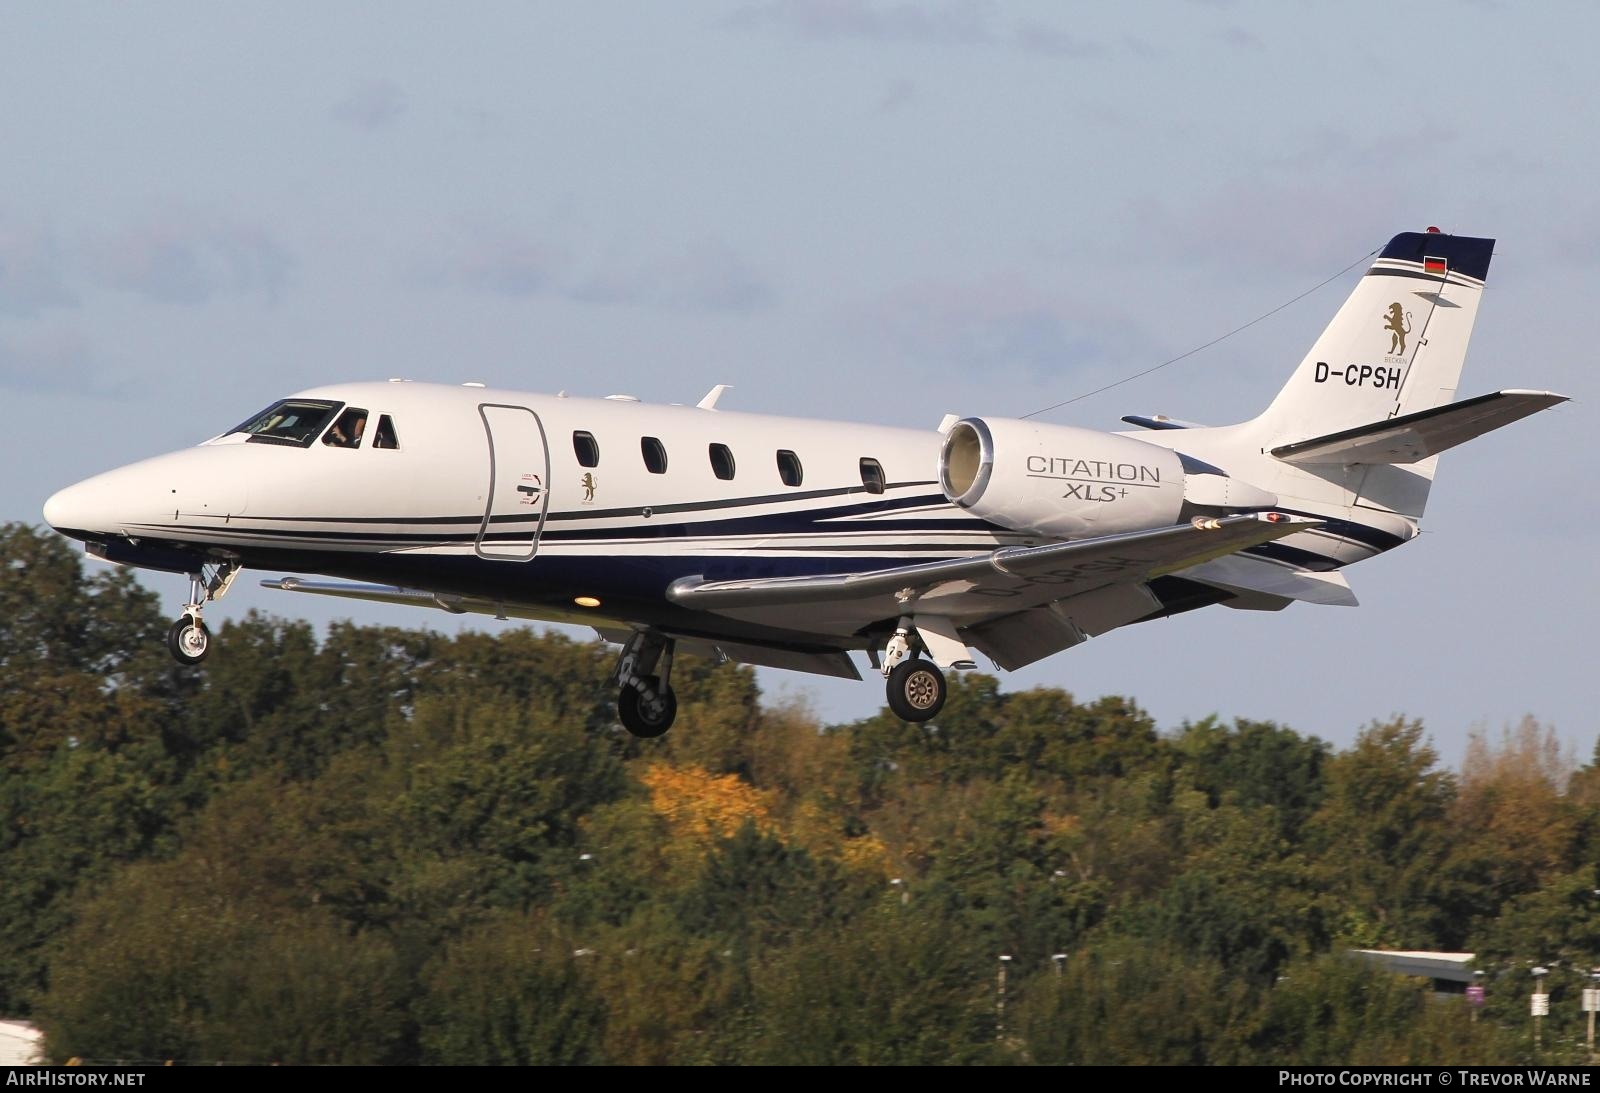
346	432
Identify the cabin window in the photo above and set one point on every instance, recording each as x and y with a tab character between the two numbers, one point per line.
872	475
789	468
586	448
346	432
655	455
289	421
385	436
722	462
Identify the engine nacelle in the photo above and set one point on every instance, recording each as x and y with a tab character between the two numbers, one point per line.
1068	483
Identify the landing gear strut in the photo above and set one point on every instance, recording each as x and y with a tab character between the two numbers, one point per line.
916	687
189	640
645	701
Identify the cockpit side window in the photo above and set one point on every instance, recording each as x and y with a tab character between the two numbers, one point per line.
872	475
290	421
385	436
346	432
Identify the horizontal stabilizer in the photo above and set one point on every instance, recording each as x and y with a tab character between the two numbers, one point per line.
1415	437
1160	421
1244	573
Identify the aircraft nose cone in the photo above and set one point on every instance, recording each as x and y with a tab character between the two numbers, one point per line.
68	510
95	507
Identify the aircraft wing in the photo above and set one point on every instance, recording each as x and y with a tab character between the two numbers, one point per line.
972	591
452	602
1016	604
818	659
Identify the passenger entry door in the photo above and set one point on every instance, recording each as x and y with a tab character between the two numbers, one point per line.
519	483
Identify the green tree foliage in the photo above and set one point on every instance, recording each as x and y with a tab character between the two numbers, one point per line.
1333	1010
86	782
1380	836
1256	765
511	991
56	619
163	967
1516	825
897	988
379	845
1122	1002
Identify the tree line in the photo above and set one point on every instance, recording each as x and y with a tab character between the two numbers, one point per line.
394	846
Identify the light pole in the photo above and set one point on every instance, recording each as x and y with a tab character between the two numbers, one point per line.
1000	998
1540	1006
899	884
1591	1003
1059	959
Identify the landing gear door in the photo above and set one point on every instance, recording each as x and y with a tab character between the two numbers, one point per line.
519	476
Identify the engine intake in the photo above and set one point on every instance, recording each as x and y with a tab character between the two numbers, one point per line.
1063	482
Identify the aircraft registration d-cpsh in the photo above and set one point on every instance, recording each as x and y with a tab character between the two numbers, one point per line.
789	543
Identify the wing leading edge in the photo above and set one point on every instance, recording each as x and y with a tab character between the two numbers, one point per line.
972	590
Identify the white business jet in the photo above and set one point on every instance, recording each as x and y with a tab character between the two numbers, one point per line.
788	542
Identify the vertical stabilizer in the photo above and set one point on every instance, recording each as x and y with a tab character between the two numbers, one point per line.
1397	344
1396	347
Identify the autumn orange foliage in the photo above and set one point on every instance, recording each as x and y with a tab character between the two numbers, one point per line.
700	808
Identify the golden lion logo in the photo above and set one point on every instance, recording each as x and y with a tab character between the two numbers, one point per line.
588	484
1398	325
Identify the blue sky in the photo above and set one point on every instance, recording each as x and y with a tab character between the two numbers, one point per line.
878	211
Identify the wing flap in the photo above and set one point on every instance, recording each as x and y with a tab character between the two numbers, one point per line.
1247	573
836	663
1415	437
1017	640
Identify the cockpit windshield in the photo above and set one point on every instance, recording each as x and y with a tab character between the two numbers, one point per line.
292	421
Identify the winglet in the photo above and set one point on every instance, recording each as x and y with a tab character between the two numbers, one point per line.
710	401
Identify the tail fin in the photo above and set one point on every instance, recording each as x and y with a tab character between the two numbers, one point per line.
1395	348
1397	344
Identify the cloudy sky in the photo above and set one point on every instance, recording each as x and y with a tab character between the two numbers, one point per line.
883	211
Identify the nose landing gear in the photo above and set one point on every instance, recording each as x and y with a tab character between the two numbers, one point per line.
646	703
189	640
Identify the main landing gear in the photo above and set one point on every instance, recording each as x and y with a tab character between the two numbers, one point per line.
189	640
645	701
916	687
